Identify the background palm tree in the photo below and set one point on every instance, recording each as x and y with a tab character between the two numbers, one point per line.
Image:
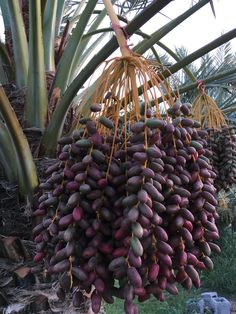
221	89
216	70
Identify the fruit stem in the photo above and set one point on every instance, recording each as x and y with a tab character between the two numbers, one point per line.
125	51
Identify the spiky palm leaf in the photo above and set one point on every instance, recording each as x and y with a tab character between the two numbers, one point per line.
221	90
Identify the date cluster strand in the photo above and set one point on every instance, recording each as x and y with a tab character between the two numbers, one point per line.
221	139
222	142
129	214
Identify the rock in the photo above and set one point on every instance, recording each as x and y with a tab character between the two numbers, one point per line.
209	303
14	249
23	277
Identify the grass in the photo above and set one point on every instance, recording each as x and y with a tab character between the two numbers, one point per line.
173	304
222	279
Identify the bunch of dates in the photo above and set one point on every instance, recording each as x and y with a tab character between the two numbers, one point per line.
223	145
129	213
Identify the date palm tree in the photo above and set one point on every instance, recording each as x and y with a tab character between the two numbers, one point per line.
52	48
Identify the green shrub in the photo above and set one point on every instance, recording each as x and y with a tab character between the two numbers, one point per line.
172	305
222	278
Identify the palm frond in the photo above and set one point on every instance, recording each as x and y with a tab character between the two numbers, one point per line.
132	5
222	90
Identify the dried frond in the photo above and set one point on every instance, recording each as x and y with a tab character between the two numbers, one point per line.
127	82
205	110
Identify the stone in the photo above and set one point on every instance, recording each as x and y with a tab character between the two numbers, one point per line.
218	305
14	249
209	303
23	277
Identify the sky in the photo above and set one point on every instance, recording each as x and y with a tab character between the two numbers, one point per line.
200	28
197	30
